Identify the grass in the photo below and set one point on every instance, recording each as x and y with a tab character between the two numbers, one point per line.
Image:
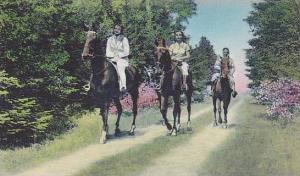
136	159
259	147
87	132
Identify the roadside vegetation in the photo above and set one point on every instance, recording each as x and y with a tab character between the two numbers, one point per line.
258	147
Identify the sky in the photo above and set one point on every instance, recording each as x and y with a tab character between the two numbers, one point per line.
221	22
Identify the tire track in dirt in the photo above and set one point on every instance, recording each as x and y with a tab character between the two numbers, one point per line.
187	158
73	163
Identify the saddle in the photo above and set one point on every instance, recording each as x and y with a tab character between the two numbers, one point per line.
129	71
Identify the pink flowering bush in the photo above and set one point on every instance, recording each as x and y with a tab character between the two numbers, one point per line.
147	99
282	97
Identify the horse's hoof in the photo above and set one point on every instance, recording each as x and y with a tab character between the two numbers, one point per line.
225	126
214	124
174	132
189	126
131	131
169	126
178	127
103	137
117	132
163	123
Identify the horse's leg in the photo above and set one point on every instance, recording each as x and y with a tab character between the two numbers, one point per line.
176	111
215	111
159	105
189	102
178	115
225	107
219	111
164	109
134	97
104	113
120	110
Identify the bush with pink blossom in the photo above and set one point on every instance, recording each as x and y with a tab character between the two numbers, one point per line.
282	97
147	99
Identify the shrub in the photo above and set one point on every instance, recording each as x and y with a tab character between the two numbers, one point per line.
147	99
282	97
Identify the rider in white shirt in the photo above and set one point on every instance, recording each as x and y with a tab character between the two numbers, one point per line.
117	49
180	52
231	70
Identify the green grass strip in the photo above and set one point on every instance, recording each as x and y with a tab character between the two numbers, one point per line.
259	147
133	161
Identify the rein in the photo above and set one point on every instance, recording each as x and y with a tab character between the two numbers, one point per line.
106	64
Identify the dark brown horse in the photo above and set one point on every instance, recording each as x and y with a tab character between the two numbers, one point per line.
104	83
221	93
171	85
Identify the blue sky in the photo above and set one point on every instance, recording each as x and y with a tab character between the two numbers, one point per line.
222	23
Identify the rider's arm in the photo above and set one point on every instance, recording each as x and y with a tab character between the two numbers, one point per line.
109	50
186	57
125	51
217	66
187	54
231	66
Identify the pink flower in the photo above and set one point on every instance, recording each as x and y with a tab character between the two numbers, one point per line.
147	99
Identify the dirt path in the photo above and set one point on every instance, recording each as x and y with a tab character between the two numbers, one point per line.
71	164
187	158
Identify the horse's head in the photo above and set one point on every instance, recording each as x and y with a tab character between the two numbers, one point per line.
163	57
89	48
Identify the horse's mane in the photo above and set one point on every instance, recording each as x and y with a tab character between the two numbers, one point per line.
165	58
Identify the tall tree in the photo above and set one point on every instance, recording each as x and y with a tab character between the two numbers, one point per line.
275	48
41	44
202	60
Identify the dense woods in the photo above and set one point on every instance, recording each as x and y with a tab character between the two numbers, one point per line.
274	56
41	70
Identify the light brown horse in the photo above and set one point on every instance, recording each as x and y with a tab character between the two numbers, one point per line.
222	94
171	85
104	83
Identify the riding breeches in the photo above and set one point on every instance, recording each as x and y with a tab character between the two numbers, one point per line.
122	63
185	69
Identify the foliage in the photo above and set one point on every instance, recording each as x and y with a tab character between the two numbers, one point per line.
275	47
20	119
282	97
41	44
202	60
147	99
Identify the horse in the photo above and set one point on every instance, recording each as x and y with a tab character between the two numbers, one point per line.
104	83
221	93
171	85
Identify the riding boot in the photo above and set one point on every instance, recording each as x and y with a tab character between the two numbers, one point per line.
184	84
234	93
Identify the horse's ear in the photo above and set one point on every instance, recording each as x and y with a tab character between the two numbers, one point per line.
156	41
85	27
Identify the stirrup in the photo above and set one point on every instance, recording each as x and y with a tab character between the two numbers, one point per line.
234	94
86	87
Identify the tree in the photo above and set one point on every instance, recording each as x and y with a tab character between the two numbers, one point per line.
41	45
202	60
275	50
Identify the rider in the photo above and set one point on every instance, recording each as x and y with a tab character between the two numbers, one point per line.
229	70
117	50
180	52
